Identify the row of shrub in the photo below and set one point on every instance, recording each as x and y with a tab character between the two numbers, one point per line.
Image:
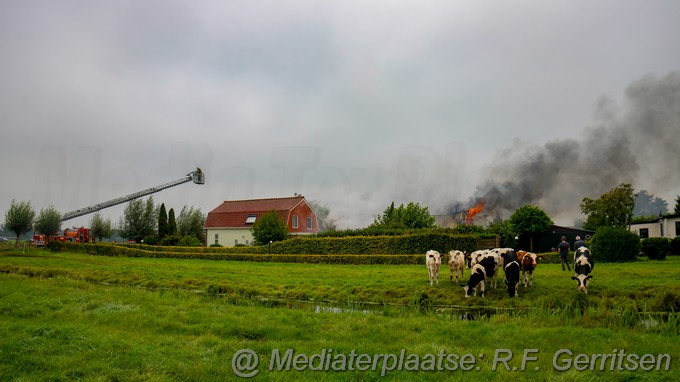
608	245
356	245
103	249
106	249
657	248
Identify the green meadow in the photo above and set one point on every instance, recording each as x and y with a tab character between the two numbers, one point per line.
68	316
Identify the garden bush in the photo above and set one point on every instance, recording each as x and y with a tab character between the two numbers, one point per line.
610	244
675	246
656	248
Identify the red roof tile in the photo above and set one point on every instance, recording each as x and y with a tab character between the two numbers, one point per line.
233	213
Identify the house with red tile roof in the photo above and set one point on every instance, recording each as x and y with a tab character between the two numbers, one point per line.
230	223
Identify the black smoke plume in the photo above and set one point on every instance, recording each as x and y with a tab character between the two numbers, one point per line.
638	143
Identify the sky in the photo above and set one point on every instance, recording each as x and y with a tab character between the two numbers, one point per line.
352	104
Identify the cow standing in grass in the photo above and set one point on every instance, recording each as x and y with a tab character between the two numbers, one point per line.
527	262
583	266
484	269
433	262
456	264
511	268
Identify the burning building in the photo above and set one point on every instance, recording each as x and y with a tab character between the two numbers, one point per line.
459	216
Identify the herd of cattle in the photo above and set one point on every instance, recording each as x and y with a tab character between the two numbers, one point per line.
485	264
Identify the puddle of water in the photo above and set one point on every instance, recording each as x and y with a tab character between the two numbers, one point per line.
339	308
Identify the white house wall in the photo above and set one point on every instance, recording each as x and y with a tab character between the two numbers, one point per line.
669	228
653	228
229	237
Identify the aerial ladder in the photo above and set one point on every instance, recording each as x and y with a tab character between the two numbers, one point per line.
196	176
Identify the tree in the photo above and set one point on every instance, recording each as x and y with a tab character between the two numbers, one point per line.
530	220
139	219
162	222
100	227
677	205
613	209
191	222
269	227
648	205
503	228
48	222
172	223
19	218
412	216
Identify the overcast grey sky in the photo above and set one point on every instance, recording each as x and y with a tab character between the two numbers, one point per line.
353	104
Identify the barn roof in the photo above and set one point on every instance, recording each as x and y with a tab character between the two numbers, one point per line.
242	213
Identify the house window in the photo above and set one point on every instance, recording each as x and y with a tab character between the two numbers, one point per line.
217	238
677	228
251	219
644	233
309	224
235	242
295	221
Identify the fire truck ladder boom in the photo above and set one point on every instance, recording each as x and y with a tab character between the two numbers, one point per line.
196	176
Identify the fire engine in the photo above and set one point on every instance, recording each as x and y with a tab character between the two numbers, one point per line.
73	235
82	234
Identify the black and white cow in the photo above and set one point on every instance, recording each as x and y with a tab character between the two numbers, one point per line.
583	266
585	252
480	272
511	268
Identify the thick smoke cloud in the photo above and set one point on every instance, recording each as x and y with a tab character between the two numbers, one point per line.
638	143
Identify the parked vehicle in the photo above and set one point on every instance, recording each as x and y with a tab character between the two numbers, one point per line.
73	235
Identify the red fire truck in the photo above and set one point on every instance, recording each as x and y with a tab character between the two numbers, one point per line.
73	235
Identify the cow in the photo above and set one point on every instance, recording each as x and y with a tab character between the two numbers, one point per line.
511	267
527	262
468	260
480	272
583	266
477	255
585	252
433	262
501	253
480	255
456	264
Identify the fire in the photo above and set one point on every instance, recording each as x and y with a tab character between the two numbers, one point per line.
472	212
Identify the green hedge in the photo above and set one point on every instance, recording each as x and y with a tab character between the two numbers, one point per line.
107	249
656	248
548	258
357	245
407	249
126	251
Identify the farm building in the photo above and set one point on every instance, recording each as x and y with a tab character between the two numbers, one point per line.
230	223
548	240
663	226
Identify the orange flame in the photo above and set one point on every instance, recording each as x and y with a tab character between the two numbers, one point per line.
472	212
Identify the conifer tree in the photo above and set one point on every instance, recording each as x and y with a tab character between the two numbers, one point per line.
162	222
172	223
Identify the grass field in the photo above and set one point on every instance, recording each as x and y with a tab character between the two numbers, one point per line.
80	317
